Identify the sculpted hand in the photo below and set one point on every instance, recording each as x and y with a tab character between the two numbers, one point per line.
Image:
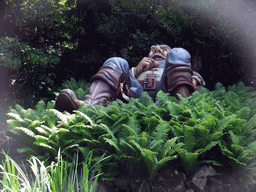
145	64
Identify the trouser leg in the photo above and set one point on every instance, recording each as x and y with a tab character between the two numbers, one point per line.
122	65
178	77
105	86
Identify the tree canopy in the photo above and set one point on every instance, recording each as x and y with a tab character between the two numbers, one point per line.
60	39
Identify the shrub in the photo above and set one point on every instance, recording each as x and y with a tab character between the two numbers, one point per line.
31	68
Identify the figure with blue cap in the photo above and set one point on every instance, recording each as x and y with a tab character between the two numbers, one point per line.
163	69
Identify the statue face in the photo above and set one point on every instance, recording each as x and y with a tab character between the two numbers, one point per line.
159	52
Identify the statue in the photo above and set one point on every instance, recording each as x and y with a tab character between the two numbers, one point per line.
164	69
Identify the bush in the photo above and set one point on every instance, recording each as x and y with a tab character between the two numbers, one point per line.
31	68
211	127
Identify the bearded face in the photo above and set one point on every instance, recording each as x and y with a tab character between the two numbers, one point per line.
159	52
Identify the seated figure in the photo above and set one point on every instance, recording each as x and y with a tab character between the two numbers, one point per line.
164	69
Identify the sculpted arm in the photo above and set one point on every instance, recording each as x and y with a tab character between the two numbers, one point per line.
145	64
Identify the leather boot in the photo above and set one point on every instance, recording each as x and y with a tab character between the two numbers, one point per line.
105	86
67	101
179	80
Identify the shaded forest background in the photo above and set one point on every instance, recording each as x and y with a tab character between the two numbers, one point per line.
44	42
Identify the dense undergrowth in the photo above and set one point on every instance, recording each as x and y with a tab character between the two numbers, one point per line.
142	137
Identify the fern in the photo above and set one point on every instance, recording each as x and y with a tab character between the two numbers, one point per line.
145	99
80	88
159	136
211	127
188	160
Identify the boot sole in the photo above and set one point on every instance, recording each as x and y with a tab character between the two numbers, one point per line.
65	103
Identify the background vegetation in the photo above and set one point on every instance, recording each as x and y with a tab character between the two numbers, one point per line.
46	42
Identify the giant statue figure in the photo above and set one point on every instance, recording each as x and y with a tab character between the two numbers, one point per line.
164	69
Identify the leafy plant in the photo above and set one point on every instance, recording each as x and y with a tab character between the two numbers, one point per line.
31	68
211	127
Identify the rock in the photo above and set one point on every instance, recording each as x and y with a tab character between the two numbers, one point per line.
170	180
122	182
199	180
101	186
224	182
214	185
207	179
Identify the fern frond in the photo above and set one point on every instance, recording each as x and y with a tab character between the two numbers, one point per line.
26	150
235	139
26	131
65	150
41	139
15	116
213	162
170	147
145	99
40	107
124	144
208	147
126	131
84	150
35	123
188	160
243	113
106	128
189	138
60	115
159	136
56	134
143	139
163	162
224	122
149	158
251	123
85	117
44	130
20	110
82	129
50	104
54	144
113	143
13	123
48	147
115	127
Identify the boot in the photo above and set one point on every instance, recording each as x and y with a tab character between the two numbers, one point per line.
67	101
178	77
179	80
105	86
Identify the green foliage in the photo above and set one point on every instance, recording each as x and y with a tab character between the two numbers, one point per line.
86	33
138	24
211	127
59	176
39	21
80	88
31	68
28	122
